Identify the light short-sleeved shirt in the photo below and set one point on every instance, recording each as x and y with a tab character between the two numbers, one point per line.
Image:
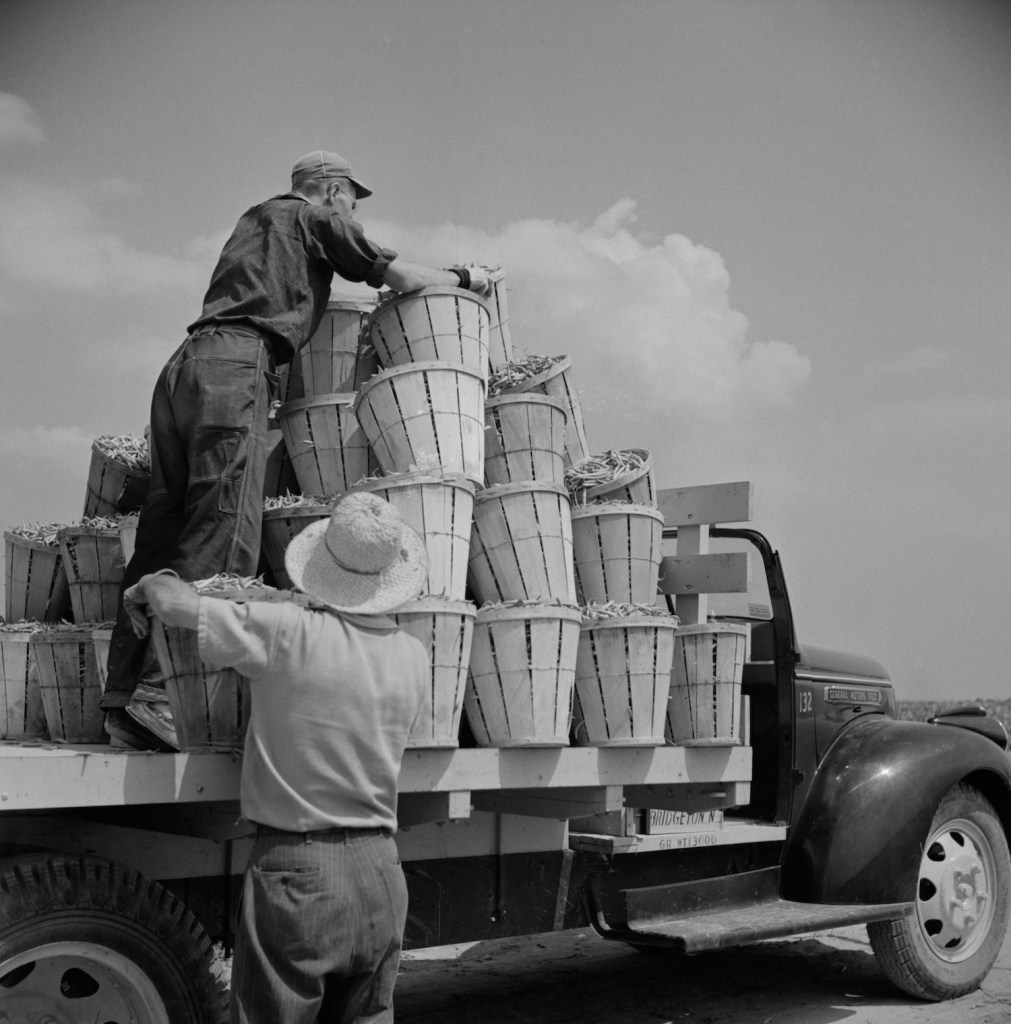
334	698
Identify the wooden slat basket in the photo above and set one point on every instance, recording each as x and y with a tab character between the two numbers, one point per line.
637	485
22	714
500	342
623	681
93	561
556	381
329	451
112	485
705	684
446	325
68	680
446	629
36	583
521	544
337	358
425	416
522	670
616	552
440	508
525	439
210	707
279	526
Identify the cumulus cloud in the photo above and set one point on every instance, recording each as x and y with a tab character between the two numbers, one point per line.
649	320
17	121
52	236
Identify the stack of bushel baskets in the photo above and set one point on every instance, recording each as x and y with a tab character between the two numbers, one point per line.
539	612
62	588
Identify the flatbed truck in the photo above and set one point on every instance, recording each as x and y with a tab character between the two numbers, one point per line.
119	870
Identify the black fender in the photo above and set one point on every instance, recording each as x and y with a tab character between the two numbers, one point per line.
859	836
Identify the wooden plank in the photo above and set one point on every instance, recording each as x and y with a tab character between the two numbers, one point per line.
50	777
561	803
689	797
732	834
692	608
157	855
726	573
418	808
707	504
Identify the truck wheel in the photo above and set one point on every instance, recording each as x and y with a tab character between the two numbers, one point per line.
83	939
948	945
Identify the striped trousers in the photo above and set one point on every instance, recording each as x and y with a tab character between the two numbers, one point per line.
321	922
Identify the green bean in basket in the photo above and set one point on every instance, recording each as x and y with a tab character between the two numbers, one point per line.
127	449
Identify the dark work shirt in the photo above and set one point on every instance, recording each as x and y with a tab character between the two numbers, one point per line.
274	273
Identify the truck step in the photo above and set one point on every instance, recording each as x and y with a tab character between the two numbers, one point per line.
731	910
738	926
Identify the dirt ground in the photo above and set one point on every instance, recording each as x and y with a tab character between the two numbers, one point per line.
575	977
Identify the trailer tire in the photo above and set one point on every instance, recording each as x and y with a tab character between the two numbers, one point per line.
948	945
87	939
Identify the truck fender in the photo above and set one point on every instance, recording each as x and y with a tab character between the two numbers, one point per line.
859	836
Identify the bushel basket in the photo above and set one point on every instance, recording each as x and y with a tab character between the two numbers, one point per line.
500	342
705	690
616	552
68	679
623	681
521	544
279	526
328	449
522	669
556	382
440	508
446	325
93	561
36	583
446	630
22	714
210	707
425	416
336	359
113	486
636	485
525	439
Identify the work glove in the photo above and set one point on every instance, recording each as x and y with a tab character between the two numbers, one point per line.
480	281
475	279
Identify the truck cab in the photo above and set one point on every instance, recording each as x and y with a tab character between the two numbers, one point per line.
898	825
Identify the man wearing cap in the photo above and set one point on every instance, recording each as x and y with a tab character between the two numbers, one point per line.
209	412
335	691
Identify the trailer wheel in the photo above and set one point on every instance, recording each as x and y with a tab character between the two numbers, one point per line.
86	939
948	945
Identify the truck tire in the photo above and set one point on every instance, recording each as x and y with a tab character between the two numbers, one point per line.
948	945
87	939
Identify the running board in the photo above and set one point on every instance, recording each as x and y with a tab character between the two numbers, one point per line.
743	909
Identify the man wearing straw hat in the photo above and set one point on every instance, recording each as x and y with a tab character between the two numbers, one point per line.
212	401
335	691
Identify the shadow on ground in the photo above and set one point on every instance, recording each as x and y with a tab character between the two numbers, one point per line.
575	977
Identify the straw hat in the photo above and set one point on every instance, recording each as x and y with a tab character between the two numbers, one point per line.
363	559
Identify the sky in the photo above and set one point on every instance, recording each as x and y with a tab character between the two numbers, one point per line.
773	237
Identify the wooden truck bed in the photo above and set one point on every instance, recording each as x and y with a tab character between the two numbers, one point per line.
434	784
